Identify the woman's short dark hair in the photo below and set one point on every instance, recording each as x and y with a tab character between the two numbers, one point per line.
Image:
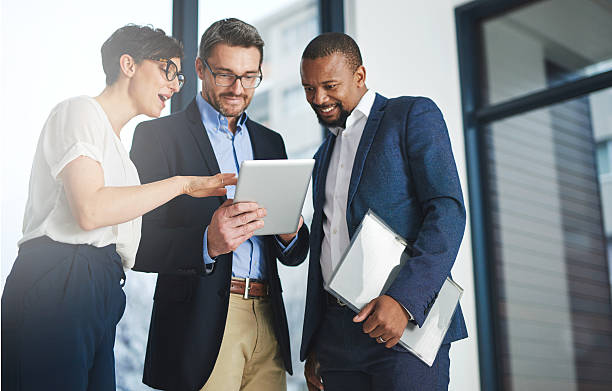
232	32
140	42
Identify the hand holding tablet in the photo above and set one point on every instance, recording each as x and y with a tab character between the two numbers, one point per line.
231	225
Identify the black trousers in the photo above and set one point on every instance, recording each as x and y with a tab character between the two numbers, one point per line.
60	308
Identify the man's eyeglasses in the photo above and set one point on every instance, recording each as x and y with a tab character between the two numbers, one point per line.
172	71
228	79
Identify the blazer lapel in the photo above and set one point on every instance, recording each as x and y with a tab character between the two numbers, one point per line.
365	143
319	190
259	145
199	133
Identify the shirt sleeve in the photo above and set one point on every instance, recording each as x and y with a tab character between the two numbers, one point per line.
207	258
209	261
410	317
74	129
286	249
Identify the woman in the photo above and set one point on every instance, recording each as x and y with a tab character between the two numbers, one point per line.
64	297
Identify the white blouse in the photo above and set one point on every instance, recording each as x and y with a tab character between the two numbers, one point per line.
78	127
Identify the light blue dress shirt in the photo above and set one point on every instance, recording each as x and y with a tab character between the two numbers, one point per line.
230	150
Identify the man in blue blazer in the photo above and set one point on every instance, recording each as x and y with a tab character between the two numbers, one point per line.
392	156
218	320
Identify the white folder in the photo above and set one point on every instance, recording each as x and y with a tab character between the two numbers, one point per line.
367	270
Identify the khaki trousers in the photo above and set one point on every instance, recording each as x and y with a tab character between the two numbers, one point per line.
249	358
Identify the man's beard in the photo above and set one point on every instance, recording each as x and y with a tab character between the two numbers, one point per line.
215	101
339	122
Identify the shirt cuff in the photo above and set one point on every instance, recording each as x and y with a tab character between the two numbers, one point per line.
207	259
408	312
287	248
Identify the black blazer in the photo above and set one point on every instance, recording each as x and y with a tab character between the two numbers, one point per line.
190	304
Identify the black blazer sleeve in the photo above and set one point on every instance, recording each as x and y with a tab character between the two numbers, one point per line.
297	254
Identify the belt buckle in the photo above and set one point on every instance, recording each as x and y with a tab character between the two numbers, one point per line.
340	302
247	287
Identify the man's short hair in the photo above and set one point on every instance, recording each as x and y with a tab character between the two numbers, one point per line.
330	43
141	43
232	32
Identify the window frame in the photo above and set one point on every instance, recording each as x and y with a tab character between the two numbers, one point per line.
476	116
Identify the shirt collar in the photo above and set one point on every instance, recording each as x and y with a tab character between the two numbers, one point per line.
212	119
363	108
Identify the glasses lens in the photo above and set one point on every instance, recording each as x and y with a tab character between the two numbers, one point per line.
224	80
171	70
250	81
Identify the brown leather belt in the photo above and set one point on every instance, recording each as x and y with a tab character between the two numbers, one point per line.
249	288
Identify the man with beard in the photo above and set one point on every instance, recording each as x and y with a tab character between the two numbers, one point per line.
218	320
392	156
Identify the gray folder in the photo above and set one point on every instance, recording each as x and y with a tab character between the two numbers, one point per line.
367	269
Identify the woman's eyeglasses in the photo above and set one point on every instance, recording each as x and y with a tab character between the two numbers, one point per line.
172	71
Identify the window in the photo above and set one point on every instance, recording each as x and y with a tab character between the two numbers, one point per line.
259	109
518	44
536	98
295	35
550	249
604	152
294	99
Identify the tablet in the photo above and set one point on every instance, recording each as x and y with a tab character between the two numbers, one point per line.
279	186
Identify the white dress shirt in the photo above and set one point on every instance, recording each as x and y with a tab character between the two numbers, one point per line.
335	228
78	127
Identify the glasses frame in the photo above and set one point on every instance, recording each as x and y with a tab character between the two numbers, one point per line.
236	77
178	74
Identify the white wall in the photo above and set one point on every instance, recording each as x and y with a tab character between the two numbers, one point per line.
409	48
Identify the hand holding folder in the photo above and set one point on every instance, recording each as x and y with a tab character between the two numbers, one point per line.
384	319
368	268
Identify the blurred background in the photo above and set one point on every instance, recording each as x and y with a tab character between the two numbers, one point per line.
526	90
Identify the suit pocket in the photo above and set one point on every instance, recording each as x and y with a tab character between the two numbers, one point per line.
174	288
